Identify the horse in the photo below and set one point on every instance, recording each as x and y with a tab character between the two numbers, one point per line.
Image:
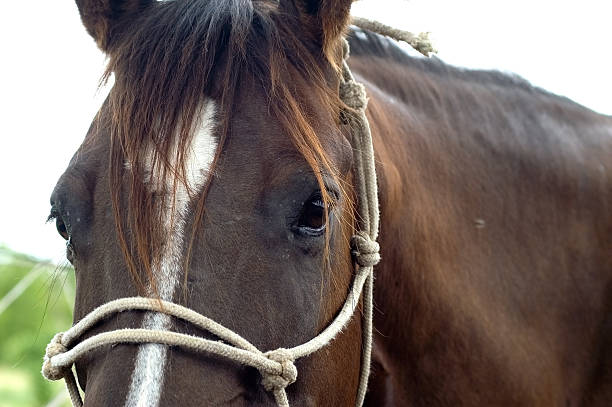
219	175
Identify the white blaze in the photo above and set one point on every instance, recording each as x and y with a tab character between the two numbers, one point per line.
148	375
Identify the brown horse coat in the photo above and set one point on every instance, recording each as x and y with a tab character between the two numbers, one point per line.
496	204
496	236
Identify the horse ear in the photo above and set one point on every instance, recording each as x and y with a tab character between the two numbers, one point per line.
101	17
326	20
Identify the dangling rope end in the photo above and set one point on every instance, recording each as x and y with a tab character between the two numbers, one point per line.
419	42
422	43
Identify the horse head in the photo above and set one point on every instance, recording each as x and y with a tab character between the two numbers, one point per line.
217	175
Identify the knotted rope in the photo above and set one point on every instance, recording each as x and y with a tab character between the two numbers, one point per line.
276	367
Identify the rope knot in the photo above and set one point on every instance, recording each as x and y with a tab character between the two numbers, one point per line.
288	374
353	94
54	348
365	250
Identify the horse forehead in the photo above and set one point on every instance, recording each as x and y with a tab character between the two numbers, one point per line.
147	377
203	146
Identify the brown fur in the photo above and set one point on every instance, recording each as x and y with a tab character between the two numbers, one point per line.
496	238
156	98
280	141
496	203
102	17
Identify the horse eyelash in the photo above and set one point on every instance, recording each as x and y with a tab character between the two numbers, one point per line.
53	215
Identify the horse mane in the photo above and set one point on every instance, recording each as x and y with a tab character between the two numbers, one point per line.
431	76
366	43
372	44
164	64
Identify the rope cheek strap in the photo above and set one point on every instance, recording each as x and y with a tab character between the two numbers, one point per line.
276	367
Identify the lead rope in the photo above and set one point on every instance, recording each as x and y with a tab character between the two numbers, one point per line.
276	367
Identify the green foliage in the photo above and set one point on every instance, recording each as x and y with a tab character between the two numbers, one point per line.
42	296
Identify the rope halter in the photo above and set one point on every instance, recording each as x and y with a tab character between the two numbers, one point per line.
276	367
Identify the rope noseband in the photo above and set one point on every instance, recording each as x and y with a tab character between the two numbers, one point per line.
276	367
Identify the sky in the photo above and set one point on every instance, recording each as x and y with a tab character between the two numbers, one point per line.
50	71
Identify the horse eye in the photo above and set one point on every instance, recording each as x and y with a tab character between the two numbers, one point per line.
312	219
61	228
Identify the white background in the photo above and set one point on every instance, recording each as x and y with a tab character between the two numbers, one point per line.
50	69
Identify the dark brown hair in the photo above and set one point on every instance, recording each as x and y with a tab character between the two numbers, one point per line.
164	63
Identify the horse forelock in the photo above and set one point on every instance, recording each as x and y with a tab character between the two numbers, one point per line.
177	75
178	54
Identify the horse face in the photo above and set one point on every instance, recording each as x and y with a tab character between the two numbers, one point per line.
244	234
